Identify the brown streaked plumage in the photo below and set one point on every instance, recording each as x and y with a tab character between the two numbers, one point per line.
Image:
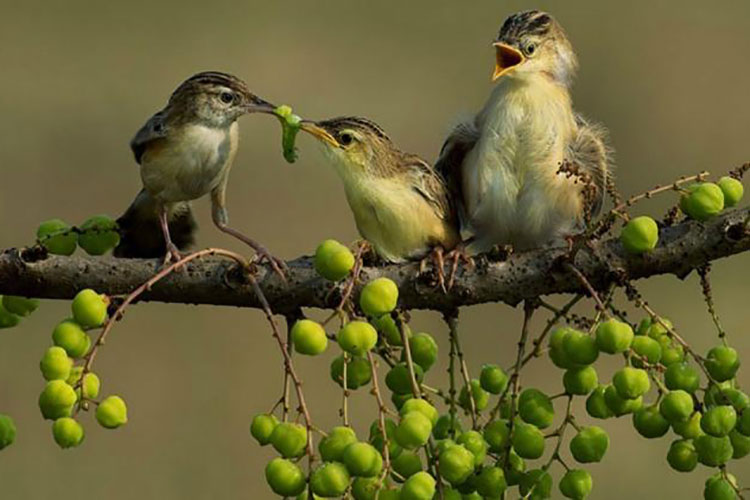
186	151
502	167
400	203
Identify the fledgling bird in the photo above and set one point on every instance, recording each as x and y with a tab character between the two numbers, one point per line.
185	151
503	166
400	203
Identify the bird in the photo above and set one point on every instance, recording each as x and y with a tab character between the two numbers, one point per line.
185	151
503	167
399	202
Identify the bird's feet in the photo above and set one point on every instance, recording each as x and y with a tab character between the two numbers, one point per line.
438	263
455	256
278	265
172	256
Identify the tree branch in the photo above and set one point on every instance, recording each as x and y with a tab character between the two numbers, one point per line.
682	248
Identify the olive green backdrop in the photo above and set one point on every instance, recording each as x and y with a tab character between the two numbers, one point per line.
670	79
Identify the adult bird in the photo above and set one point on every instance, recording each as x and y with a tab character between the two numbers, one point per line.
399	202
504	166
185	151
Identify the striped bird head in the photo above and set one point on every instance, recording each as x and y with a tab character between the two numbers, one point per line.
216	99
532	42
355	145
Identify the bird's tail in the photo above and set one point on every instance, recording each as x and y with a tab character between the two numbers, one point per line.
140	232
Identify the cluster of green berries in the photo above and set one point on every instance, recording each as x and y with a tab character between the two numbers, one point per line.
699	201
96	236
69	385
13	309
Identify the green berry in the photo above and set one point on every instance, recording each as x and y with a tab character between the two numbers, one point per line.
424	350
285	478
422	407
703	201
407	464
556	351
690	428
649	422
309	337
57	400
70	336
576	484
99	234
732	189
589	445
391	332
491	482
640	235
57	237
112	412
413	431
613	336
743	422
677	406
456	464
514	469
398	378
475	443
493	379
740	444
378	297
357	337
535	407
446	426
358	372
631	383
366	488
580	348
90	386
719	421
378	441
389	495
7	431
480	396
262	427
362	460
332	446
681	376
647	348
56	364
497	434
333	261
657	330
527	440
682	456
398	400
718	488
713	451
722	363
671	352
596	404
420	486
618	405
67	432
20	306
580	381
289	439
536	484
89	308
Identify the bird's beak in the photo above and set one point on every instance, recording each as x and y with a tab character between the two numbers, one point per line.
319	132
506	58
257	105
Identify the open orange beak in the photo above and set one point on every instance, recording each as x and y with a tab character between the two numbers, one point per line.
506	58
319	132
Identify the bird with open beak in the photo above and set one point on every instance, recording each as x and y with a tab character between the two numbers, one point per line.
400	203
503	167
185	151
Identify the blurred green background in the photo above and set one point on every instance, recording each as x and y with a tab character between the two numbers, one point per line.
670	79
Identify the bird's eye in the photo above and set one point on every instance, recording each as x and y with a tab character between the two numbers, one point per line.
226	97
529	49
345	138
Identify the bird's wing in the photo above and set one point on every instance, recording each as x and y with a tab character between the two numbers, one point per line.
589	150
430	185
154	129
455	148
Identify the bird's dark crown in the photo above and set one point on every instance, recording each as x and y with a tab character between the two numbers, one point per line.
207	80
530	23
336	125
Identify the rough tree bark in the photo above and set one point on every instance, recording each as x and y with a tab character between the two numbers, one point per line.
682	248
